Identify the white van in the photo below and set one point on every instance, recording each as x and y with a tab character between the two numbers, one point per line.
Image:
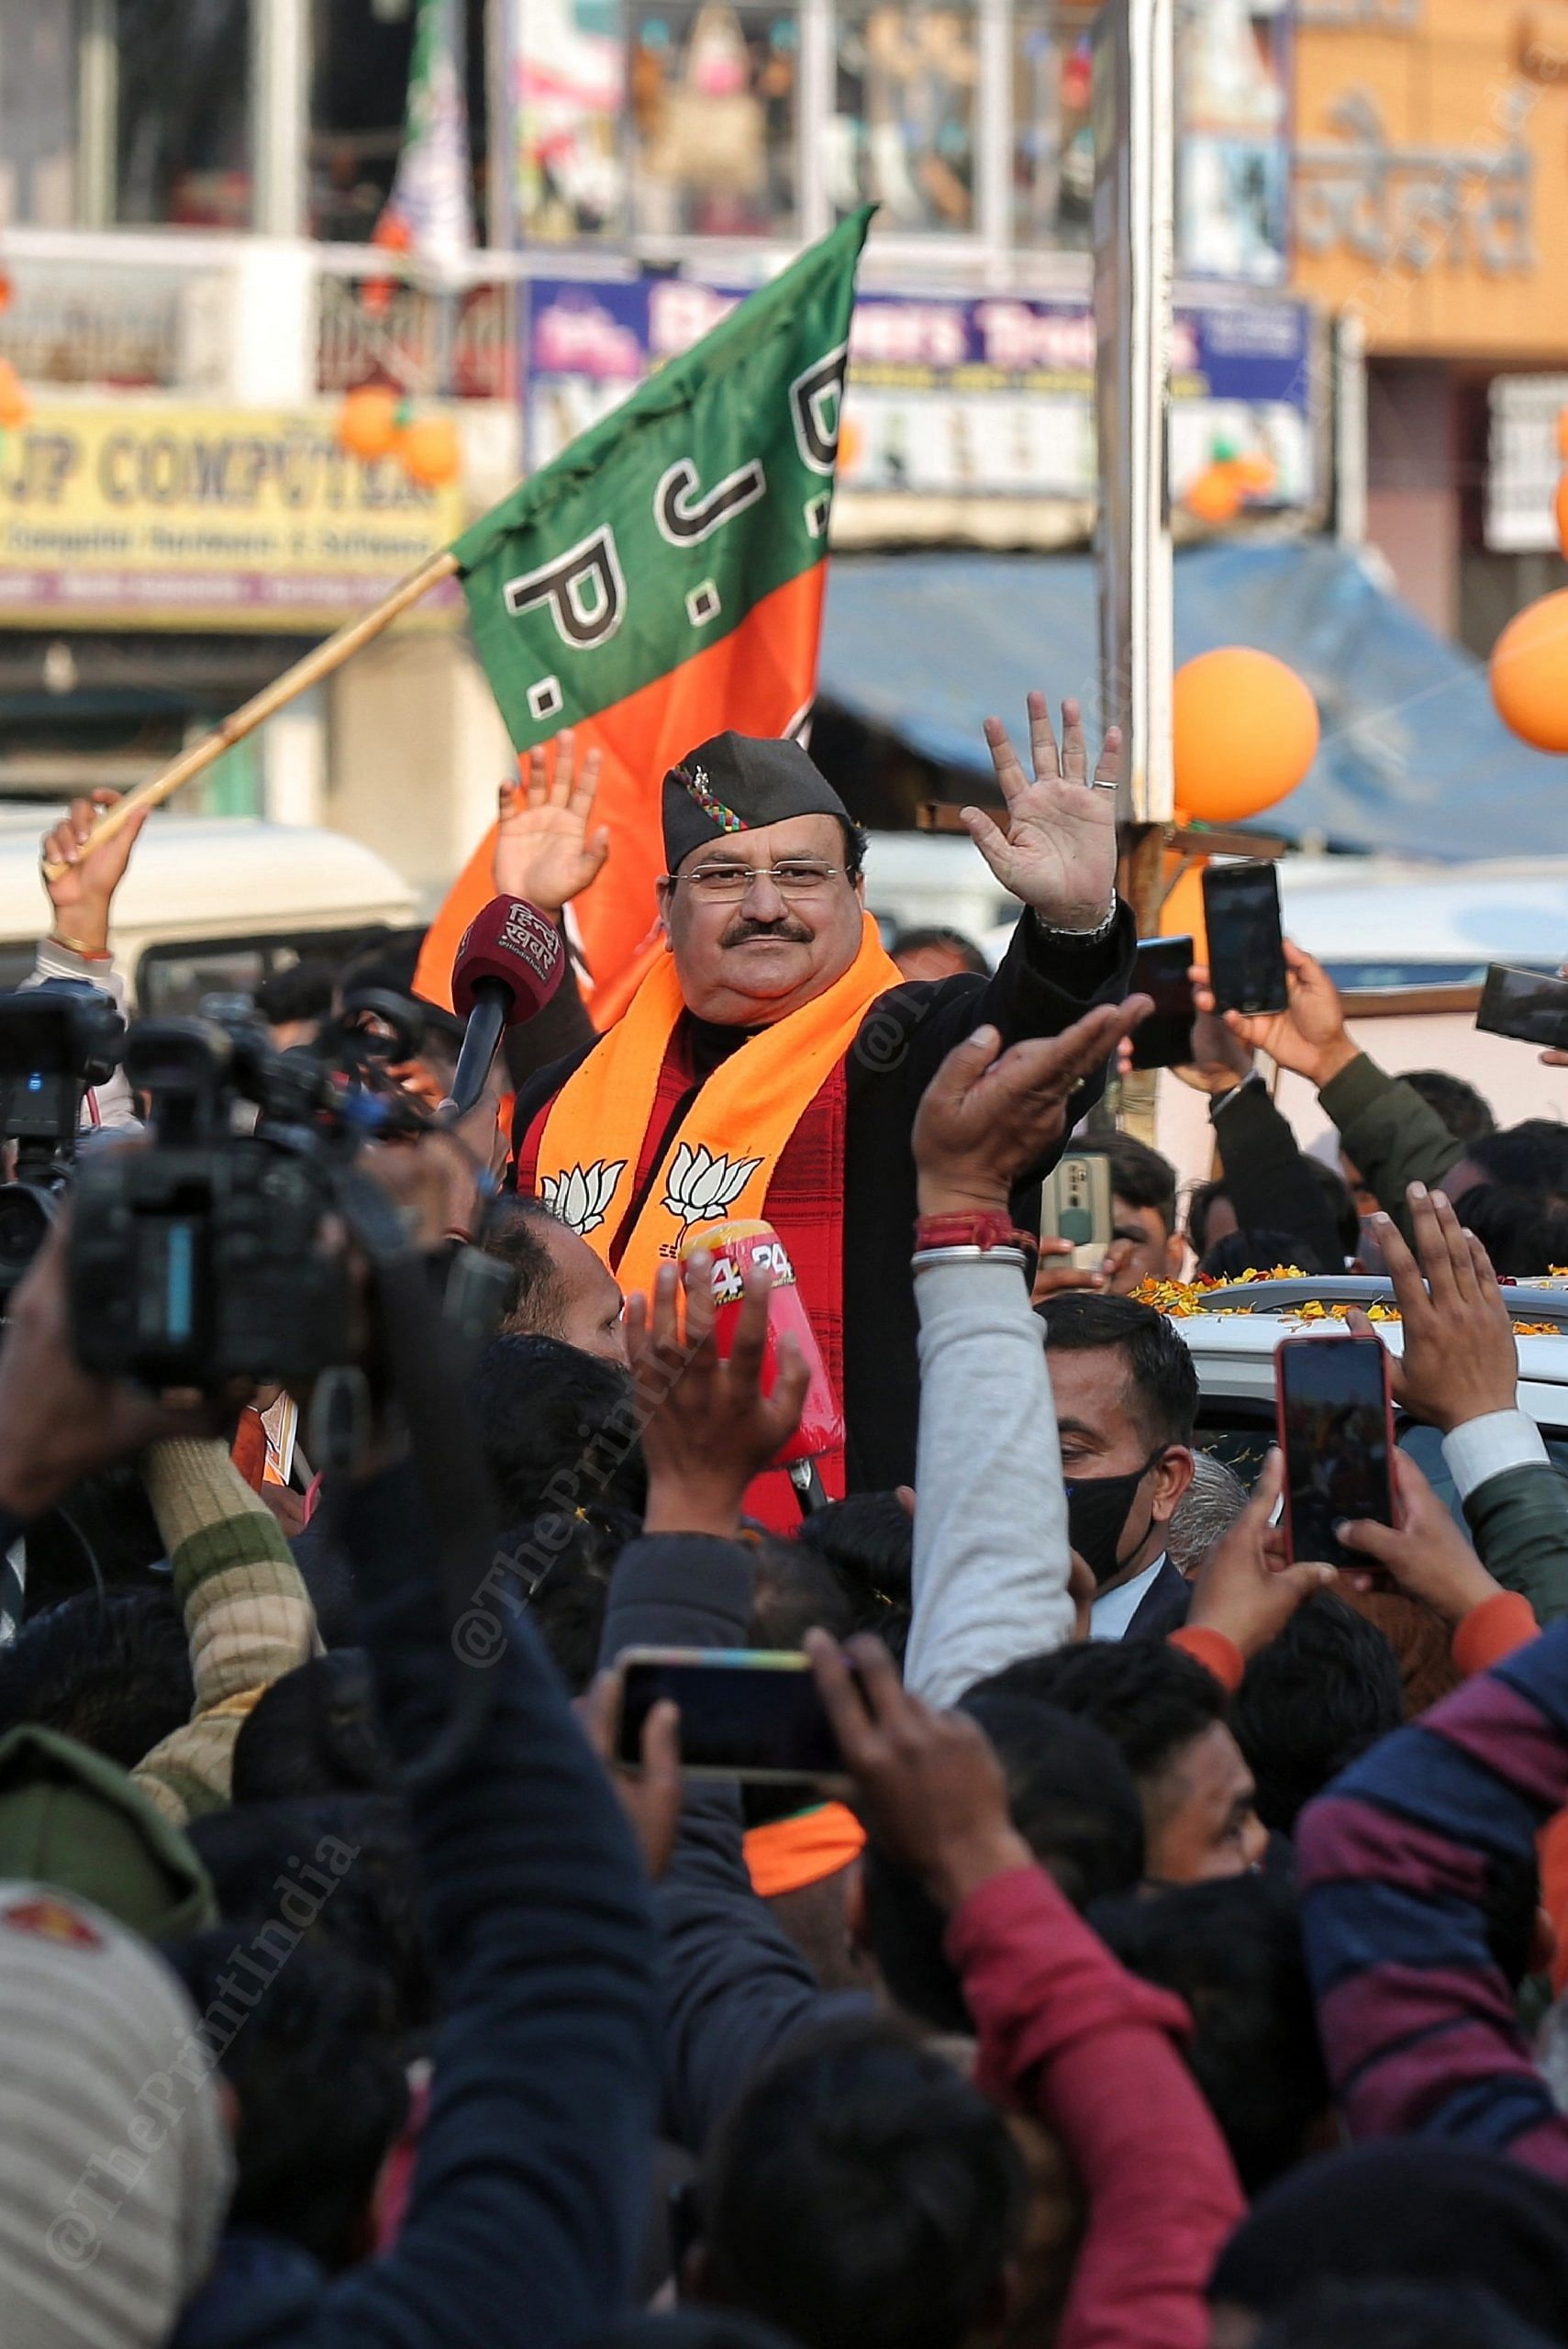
210	904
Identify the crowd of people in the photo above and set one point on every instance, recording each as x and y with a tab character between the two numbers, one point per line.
1177	1955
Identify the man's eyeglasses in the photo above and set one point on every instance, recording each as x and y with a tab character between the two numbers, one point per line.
725	884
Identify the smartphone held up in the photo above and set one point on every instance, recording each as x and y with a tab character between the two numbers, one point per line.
1526	1004
1160	971
1246	938
752	1714
1336	1431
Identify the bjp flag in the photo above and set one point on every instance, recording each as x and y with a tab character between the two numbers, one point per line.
662	580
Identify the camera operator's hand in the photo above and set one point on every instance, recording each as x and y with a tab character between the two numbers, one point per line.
707	1427
652	1797
81	896
1425	1556
57	1422
928	1785
436	1182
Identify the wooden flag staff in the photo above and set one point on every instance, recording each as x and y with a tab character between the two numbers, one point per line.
319	664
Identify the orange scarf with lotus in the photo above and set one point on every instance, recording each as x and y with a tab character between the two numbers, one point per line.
719	1162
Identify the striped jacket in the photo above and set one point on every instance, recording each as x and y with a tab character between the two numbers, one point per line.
1417	2016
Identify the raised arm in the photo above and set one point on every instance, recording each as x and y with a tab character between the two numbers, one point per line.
248	1615
991	1551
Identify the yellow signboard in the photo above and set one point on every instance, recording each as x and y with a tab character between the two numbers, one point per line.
154	514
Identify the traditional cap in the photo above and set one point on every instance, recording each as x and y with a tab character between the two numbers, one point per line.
737	783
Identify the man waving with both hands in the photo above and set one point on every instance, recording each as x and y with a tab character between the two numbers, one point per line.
771	1064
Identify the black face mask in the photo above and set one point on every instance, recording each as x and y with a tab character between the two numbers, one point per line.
1098	1509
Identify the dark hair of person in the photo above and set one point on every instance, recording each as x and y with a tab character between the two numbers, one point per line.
1398	2316
1071	1798
855	846
1163	1393
1259	1252
512	1235
1340	1205
558	1565
1524	1234
313	1733
1466	1114
862	2195
371	1911
922	937
868	1539
1149	1699
111	1670
1233	1950
1531	1156
1316	1697
305	2044
388	963
302	992
1142	1178
1201	1200
559	1428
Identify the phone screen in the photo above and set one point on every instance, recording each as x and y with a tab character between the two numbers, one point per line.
1160	971
1246	954
1334	1425
1525	1004
744	1713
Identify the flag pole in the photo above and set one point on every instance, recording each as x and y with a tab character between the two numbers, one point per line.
316	665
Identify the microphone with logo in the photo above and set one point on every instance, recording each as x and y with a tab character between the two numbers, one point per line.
509	963
734	1246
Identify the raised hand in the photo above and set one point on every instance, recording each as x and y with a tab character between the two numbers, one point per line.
928	1785
1308	1037
547	848
1246	1587
1460	1359
1057	852
81	896
707	1427
650	1797
1425	1556
988	1115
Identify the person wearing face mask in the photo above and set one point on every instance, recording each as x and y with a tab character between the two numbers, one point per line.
1126	1401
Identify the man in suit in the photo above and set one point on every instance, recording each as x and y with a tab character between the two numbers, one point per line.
1126	1395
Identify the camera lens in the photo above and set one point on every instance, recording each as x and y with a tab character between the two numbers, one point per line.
26	1214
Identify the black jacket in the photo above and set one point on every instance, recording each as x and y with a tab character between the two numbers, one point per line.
1041	988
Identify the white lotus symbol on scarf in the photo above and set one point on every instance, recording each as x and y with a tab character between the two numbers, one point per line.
700	1187
580	1195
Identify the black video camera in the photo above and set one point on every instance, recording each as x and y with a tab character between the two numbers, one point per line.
55	1041
206	1256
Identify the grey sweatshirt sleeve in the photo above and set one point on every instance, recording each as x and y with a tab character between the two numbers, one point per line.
990	1574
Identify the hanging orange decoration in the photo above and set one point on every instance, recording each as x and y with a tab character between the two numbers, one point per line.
367	422
1529	674
431	452
14	405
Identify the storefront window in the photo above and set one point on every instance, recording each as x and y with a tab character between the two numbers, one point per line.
902	131
713	99
361	51
1053	142
38	115
183	144
1232	123
568	76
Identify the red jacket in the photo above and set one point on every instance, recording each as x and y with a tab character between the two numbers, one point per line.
1067	2035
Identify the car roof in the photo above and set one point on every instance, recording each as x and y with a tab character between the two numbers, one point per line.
1233	1338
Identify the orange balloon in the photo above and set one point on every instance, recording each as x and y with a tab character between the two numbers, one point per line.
1529	674
14	405
429	450
1561	510
367	422
1246	732
1215	497
1181	913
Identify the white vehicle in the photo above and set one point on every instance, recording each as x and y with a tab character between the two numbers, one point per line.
1233	1336
210	904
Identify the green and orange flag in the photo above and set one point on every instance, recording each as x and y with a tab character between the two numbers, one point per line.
663	580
